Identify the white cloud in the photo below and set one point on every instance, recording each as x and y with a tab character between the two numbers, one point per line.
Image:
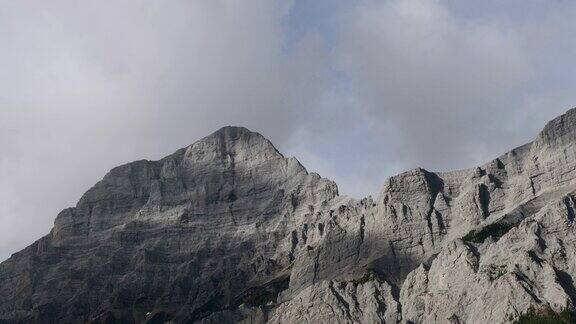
89	86
361	89
417	66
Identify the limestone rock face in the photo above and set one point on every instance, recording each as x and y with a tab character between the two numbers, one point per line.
528	268
178	238
228	230
369	301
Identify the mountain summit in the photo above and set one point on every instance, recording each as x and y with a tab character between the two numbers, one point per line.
229	230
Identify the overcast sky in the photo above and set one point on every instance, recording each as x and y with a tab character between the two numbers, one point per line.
356	90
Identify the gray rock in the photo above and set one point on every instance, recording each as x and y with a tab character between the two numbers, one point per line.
366	301
178	238
229	230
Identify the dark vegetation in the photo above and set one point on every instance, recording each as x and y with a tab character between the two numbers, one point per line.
546	316
371	274
495	272
211	306
368	276
253	297
496	230
262	295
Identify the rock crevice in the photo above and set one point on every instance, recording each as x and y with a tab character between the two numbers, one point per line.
229	230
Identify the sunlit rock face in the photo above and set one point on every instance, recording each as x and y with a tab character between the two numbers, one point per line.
229	230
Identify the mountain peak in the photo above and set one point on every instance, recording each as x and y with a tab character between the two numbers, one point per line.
233	142
227	230
560	130
234	130
236	133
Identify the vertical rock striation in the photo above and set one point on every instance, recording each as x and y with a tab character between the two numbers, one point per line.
229	230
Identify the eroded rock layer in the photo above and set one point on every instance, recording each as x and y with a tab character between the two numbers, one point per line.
228	230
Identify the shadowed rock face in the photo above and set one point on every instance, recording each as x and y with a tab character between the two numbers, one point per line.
229	230
182	236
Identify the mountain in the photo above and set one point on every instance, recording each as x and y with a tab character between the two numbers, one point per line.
229	230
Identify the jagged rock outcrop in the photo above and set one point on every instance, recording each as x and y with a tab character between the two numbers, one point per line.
178	238
367	300
229	230
519	258
529	267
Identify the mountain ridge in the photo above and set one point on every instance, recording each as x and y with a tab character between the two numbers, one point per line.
227	229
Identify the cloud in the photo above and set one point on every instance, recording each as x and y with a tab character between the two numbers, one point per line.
90	86
437	84
429	76
357	90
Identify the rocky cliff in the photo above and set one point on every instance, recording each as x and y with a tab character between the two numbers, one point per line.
229	230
